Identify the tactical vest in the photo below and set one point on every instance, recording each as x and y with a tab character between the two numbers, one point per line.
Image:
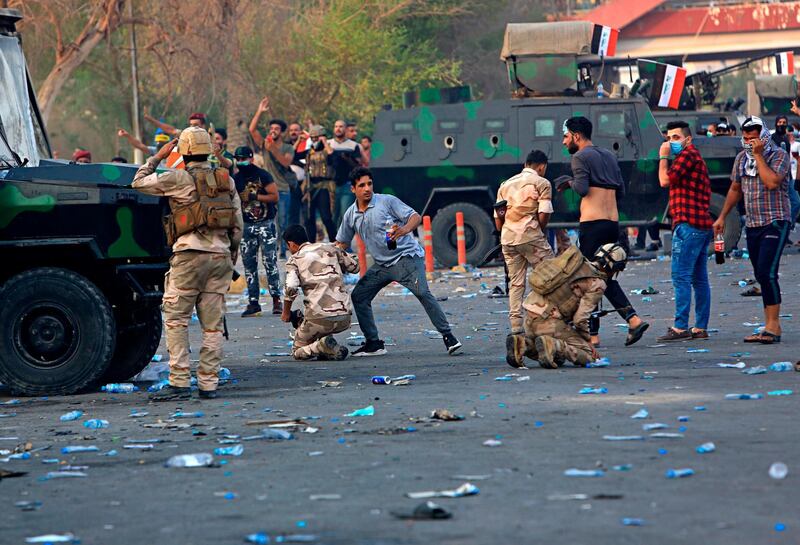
553	279
318	166
213	207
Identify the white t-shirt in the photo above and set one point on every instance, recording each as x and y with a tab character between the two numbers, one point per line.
795	150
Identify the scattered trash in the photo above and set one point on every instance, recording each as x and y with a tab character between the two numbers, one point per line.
76	449
584	472
28	505
623	467
121	388
95	424
277	434
781	366
523	379
235	450
203	459
181	414
64	475
632	522
444	414
778	471
662	435
329	383
623	438
425	511
602	362
262	538
757	370
325	497
706	448
737	365
466	489
492	443
5	474
679	473
70	416
53	538
697	350
683	419
588	390
134	446
402	380
366	411
743	396
654	426
780	393
649	290
641	413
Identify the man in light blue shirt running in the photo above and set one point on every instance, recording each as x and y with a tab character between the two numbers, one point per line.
385	224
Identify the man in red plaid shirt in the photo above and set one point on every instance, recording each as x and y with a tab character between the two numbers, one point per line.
689	200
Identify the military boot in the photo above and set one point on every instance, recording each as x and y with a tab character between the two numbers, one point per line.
547	348
515	351
252	310
170	393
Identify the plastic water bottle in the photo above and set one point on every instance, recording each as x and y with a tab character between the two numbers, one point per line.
70	416
72	450
678	473
202	459
781	366
119	388
778	470
600	91
95	423
258	539
743	396
224	373
584	473
235	450
706	447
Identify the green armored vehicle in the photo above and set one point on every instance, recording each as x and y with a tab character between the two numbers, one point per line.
83	255
442	157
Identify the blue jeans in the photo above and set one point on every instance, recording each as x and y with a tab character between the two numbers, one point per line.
343	199
284	202
690	270
794	204
409	272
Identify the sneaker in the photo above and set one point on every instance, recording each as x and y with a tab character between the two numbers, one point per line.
370	348
277	307
451	343
515	351
252	310
170	393
546	349
207	394
673	335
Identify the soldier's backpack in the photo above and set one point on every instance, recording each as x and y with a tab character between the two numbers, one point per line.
212	209
549	274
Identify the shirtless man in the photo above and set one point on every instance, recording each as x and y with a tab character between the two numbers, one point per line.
598	180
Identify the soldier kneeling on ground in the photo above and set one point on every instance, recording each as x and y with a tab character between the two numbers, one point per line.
318	269
566	292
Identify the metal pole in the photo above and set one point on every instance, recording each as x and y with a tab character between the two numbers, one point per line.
138	156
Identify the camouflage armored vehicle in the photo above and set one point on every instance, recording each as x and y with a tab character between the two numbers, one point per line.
83	255
441	157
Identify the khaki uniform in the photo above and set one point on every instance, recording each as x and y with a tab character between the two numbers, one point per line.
318	269
522	238
199	276
564	315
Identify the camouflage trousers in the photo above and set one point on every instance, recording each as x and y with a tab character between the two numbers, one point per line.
517	258
569	344
195	280
308	337
260	235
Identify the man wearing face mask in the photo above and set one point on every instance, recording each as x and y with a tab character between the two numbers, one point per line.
761	175
782	140
598	180
689	201
528	205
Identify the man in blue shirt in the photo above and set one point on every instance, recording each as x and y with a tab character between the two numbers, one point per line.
385	224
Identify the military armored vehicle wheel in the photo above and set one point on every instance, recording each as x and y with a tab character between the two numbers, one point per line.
478	233
135	347
58	332
733	223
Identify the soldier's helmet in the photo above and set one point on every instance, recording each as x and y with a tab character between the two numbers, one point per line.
194	141
611	257
316	130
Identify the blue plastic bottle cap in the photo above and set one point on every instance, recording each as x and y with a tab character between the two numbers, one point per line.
780	527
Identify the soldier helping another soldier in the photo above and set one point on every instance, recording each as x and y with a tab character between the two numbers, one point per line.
318	269
204	230
565	292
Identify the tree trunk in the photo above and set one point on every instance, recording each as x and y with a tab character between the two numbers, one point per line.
238	103
104	20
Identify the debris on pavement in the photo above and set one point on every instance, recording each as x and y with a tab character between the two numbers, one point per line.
425	511
366	411
466	489
444	414
203	459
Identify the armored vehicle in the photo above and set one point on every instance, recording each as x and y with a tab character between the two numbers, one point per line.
441	157
83	255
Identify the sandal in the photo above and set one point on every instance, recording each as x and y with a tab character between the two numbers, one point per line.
755	291
765	337
635	334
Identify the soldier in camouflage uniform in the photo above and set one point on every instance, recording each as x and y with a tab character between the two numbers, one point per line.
259	196
557	322
318	269
204	229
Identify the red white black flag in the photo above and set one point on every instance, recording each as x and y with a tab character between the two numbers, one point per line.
785	63
604	40
668	82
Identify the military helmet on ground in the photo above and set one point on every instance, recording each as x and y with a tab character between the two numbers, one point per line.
194	141
611	257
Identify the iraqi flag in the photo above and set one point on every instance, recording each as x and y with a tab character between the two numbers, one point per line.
604	40
785	63
303	143
668	81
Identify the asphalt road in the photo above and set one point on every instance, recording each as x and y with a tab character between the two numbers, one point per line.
364	466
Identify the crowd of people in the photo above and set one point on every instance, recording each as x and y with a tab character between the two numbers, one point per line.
268	198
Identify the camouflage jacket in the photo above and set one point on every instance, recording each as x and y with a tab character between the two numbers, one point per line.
588	291
179	186
318	269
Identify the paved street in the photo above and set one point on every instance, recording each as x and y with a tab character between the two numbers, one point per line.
364	466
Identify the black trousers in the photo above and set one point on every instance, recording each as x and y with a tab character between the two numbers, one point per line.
592	235
765	246
320	202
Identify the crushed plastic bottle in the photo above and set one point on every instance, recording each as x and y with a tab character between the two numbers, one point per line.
224	373
119	388
235	450
588	390
706	448
654	426
602	362
679	473
632	522
203	459
641	413
757	370
780	393
157	386
573	472
781	366
276	434
95	424
744	396
70	416
73	450
778	470
181	414
737	365
623	438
